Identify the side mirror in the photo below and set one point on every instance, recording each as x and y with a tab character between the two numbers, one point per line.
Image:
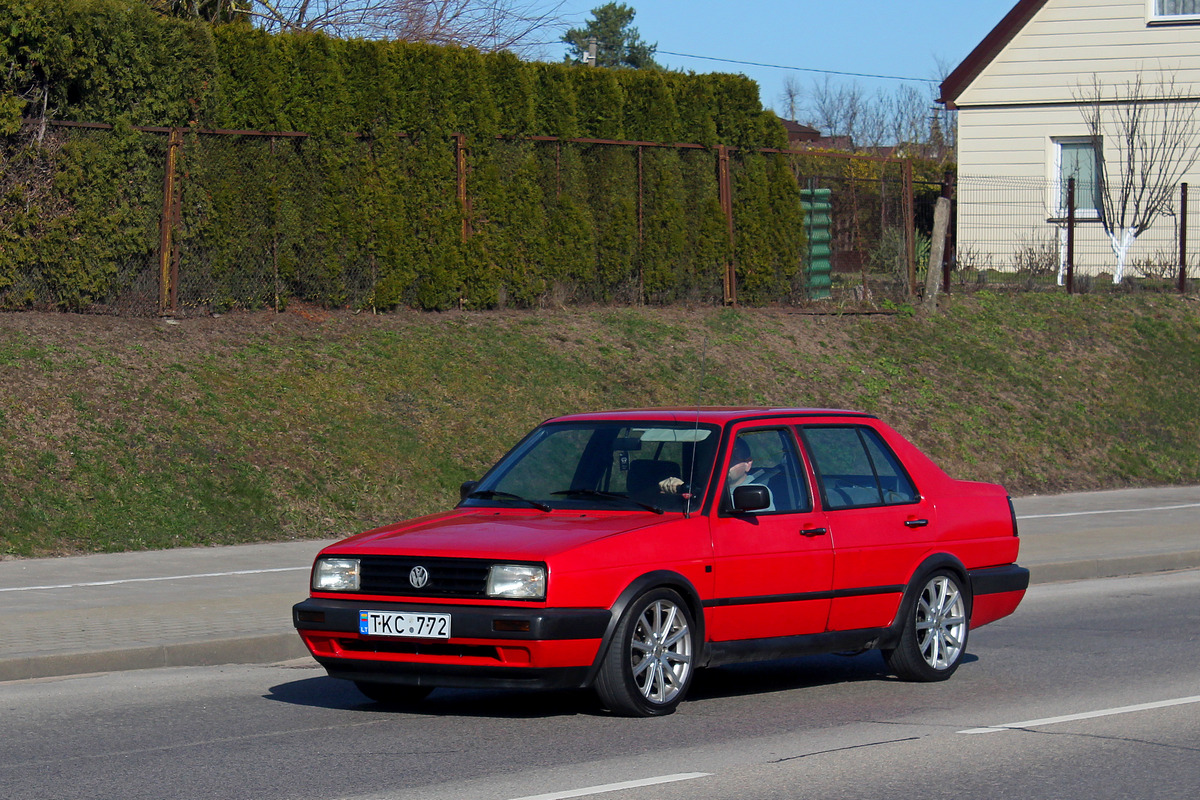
466	489
751	497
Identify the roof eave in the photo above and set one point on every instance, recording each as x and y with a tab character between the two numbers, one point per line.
999	37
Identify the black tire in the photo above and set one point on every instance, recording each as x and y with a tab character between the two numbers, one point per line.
649	664
934	637
394	695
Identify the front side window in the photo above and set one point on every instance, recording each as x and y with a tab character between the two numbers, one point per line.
1174	10
768	458
856	468
1077	157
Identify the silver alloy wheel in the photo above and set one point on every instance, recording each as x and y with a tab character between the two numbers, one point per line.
661	652
941	622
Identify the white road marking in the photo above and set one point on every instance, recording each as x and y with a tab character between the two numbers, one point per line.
616	787
1107	712
148	580
1108	511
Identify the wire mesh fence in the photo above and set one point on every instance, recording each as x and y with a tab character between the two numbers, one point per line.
155	220
1017	232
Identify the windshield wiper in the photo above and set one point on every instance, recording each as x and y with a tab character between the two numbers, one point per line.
609	496
488	494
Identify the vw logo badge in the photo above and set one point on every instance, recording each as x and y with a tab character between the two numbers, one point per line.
418	577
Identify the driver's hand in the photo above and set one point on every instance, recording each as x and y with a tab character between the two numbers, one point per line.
739	470
670	485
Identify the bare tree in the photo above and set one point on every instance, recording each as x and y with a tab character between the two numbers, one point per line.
792	98
488	25
905	118
836	108
1145	140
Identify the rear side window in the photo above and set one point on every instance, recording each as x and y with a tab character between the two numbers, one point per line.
856	468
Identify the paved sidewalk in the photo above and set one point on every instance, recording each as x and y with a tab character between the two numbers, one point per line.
222	605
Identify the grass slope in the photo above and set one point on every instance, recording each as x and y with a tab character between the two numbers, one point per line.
121	434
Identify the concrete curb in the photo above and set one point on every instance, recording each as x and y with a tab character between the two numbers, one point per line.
1092	568
259	649
286	646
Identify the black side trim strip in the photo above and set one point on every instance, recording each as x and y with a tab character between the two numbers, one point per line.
801	597
717	653
996	580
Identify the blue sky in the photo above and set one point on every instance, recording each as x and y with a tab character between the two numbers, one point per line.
875	37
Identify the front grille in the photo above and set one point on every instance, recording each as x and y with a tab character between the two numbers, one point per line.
448	577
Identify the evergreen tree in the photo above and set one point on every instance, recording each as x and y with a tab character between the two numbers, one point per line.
618	43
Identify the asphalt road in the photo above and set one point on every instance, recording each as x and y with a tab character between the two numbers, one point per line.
201	606
1090	691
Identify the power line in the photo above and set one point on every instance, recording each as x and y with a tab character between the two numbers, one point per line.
782	66
798	69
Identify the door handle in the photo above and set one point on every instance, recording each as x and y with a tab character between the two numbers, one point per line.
810	532
916	523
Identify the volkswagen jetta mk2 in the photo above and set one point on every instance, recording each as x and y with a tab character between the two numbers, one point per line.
624	550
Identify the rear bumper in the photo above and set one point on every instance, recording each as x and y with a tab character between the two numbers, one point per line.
490	647
996	592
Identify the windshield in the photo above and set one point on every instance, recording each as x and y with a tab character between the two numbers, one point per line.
658	466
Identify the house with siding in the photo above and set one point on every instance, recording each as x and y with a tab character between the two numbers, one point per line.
1023	98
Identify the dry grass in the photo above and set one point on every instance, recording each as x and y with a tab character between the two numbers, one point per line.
135	433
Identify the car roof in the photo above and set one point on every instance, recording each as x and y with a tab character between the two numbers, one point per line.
717	415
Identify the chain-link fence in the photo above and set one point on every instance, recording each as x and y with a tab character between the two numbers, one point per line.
1019	232
154	220
881	222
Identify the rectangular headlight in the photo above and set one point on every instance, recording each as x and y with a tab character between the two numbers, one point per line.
336	575
517	582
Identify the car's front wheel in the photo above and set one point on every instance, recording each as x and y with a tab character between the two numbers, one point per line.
648	667
934	637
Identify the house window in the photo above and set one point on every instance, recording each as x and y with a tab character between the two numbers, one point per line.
1174	10
1077	158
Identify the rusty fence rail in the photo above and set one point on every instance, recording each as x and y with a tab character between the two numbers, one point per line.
182	245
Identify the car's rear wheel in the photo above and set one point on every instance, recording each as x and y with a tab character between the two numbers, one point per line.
648	667
934	637
393	694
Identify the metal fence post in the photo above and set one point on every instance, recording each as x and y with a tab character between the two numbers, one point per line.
460	169
910	226
1183	192
948	254
1070	236
725	192
168	247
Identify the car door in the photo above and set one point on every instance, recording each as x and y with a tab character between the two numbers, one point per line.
773	568
879	524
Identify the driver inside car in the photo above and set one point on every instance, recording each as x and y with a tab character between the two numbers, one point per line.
741	472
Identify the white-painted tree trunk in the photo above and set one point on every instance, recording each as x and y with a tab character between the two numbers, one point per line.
1062	256
1120	241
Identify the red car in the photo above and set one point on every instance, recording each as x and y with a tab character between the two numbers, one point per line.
623	550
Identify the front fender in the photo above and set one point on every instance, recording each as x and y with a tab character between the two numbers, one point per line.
638	587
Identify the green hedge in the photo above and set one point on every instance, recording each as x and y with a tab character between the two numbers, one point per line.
364	211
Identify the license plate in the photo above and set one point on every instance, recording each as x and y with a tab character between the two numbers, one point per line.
410	626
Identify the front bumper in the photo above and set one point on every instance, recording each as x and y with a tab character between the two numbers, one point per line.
490	647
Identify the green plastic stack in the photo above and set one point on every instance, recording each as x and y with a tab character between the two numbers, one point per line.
818	222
